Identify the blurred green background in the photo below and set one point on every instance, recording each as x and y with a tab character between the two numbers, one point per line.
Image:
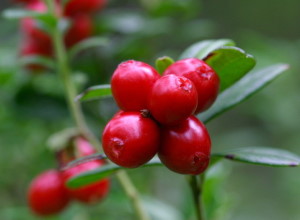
33	107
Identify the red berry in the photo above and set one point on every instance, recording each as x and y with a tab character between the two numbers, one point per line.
47	194
185	148
172	99
130	140
203	76
33	48
90	193
80	29
75	7
131	85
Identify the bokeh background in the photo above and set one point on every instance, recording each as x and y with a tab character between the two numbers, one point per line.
33	107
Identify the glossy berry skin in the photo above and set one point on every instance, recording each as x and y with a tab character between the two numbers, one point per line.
130	140
75	7
80	29
132	83
203	76
172	99
185	148
47	194
91	193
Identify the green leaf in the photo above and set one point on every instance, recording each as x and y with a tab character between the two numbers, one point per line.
264	156
231	64
22	13
86	44
201	49
60	140
163	63
40	60
247	86
102	172
95	92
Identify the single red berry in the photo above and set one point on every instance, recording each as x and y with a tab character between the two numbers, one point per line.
130	139
81	28
75	7
185	148
30	47
32	29
91	193
173	99
131	85
202	75
47	194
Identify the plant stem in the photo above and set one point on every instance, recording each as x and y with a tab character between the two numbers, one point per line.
75	109
65	73
196	187
132	194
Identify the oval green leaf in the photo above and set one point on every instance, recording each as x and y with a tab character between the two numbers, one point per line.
264	156
163	63
23	13
240	91
231	64
95	92
201	49
40	60
104	171
86	44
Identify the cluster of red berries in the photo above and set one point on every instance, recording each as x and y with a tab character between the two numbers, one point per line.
157	115
36	41
48	193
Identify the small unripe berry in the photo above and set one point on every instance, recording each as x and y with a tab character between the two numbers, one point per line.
130	139
91	193
185	148
172	99
47	194
131	85
202	75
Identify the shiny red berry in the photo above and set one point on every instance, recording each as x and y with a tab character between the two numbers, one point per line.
203	76
91	193
185	148
75	7
47	194
172	99
131	85
81	28
130	139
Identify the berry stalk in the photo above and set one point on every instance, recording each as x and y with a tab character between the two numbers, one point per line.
196	187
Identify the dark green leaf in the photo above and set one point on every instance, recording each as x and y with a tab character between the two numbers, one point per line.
247	86
86	44
201	49
163	63
95	92
97	174
262	156
231	64
40	60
